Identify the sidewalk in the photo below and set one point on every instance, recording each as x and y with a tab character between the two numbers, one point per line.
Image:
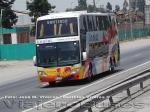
16	70
11	71
134	45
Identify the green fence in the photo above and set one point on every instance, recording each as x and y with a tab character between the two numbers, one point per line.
17	51
128	34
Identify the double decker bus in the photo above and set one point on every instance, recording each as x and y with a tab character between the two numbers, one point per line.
75	45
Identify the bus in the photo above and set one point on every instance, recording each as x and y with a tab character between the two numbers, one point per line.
75	46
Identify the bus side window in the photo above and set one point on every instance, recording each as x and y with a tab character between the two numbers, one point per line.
101	23
97	24
104	22
89	21
94	23
109	21
83	30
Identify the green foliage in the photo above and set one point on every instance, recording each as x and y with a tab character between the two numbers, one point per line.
82	5
125	5
91	8
38	8
109	6
69	9
9	18
117	8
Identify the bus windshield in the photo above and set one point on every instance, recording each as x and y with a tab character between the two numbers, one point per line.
53	28
58	54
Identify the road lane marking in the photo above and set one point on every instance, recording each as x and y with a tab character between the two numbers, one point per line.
1	98
35	107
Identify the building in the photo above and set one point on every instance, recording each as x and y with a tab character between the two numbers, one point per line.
23	19
147	15
147	2
15	35
20	33
137	5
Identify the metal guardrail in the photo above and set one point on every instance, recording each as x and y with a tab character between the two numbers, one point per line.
102	95
88	103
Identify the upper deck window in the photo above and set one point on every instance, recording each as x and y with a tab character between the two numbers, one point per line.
53	28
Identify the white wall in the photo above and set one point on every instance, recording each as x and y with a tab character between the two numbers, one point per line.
14	38
147	2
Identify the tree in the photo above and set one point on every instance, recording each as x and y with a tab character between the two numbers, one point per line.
69	9
91	8
109	6
38	8
82	4
117	8
9	18
125	5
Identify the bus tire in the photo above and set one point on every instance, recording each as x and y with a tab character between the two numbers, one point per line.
111	66
90	77
52	83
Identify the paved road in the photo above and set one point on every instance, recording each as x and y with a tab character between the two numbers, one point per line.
138	102
30	86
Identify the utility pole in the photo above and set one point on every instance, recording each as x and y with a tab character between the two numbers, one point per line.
131	25
1	17
94	5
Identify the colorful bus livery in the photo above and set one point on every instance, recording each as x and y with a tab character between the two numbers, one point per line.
75	45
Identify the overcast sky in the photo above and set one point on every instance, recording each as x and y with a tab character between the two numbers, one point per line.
61	5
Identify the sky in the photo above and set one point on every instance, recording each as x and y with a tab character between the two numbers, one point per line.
61	5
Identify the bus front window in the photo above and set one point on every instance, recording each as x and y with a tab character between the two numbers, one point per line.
46	55
53	28
58	54
68	53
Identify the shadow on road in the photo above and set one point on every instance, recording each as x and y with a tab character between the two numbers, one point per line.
82	82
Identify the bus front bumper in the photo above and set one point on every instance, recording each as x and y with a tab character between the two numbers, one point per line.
55	78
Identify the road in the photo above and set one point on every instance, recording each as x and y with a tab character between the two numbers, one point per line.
138	102
31	87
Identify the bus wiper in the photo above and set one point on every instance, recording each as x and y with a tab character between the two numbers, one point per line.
44	66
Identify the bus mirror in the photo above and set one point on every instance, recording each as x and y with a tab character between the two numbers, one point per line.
34	61
84	56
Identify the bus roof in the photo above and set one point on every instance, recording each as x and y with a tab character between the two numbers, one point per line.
69	14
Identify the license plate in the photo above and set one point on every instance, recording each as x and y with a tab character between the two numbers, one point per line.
58	78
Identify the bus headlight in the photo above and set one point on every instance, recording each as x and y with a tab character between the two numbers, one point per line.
75	70
41	73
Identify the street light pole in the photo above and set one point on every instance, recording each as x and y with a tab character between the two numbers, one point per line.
131	25
94	5
1	17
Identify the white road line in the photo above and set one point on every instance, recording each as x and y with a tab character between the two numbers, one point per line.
84	87
1	98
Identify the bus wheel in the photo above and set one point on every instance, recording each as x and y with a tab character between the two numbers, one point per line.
52	83
111	66
90	77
